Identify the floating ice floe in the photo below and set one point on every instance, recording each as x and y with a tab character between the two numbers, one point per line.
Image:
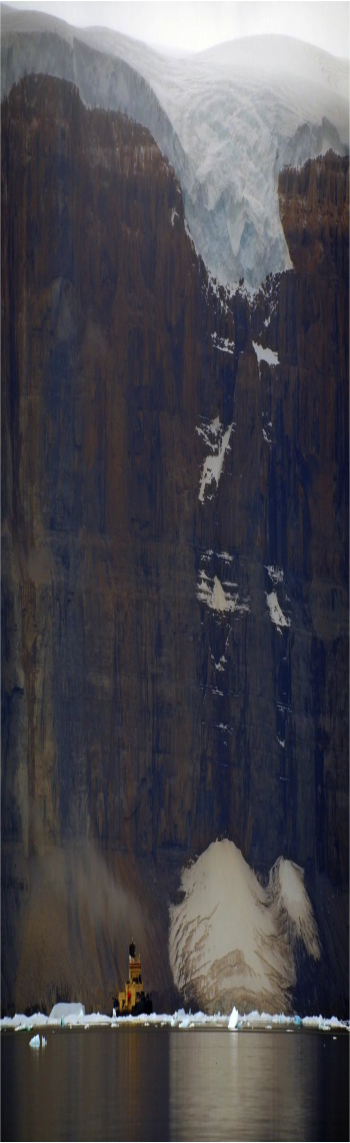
35	1041
185	1020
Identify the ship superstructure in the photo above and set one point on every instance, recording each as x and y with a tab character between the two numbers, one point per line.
132	1000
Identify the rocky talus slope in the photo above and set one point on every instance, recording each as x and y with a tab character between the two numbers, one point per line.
174	553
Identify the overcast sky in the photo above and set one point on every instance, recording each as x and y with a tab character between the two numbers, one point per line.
193	25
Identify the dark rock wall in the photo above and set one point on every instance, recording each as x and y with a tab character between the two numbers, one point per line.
139	723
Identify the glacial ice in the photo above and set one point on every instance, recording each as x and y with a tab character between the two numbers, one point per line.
228	119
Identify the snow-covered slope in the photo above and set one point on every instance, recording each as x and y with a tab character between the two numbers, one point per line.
228	119
231	940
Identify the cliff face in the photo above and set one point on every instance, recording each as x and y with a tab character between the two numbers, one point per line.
174	556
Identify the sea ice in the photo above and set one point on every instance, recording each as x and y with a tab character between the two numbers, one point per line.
191	1019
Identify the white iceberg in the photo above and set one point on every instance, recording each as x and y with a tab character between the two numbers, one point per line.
63	1011
233	1020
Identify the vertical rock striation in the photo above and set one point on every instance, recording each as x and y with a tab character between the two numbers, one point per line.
174	549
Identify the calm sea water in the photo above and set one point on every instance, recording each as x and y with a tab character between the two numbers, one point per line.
164	1083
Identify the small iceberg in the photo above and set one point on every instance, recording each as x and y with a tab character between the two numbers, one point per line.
43	1042
66	1011
34	1042
233	1020
67	1015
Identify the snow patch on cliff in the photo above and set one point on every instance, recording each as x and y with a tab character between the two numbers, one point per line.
223	344
220	594
276	574
218	440
212	593
276	613
287	889
219	598
265	354
231	940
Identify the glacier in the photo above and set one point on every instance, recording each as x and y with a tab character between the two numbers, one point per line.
228	120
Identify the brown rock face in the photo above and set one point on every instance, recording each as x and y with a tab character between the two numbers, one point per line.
150	703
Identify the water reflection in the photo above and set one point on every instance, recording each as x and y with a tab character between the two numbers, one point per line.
257	1086
160	1084
239	1086
96	1084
